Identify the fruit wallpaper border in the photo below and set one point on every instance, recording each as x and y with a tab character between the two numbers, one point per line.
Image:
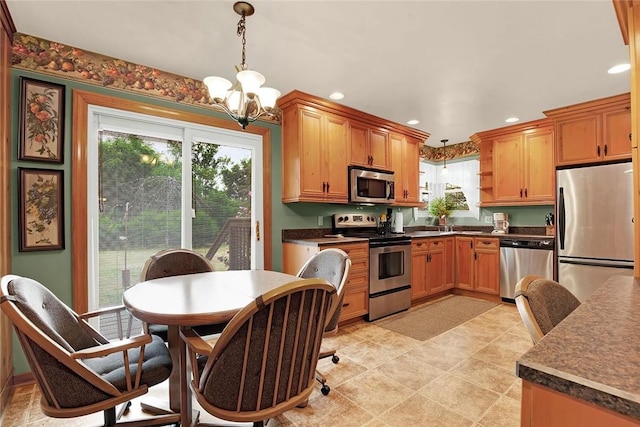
68	62
453	151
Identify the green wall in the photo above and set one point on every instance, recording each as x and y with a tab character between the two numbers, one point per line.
53	268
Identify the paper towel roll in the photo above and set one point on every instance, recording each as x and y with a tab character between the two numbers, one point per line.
399	223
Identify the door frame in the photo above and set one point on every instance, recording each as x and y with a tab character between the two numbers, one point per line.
81	101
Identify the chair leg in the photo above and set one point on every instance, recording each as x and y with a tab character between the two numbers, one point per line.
110	417
325	389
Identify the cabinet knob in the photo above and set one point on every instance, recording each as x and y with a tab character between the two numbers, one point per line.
327	186
598	151
605	149
525	192
629	136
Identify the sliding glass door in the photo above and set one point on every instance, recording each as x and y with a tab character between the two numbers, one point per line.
154	184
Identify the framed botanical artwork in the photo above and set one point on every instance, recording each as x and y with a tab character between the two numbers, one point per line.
41	121
41	217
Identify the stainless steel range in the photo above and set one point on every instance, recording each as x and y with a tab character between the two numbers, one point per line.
389	262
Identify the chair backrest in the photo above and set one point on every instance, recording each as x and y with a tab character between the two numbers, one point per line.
48	332
542	304
264	361
332	265
174	262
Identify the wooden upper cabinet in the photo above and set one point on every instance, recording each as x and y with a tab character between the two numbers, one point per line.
517	164
616	128
379	149
369	147
539	171
594	131
314	160
507	168
320	139
405	163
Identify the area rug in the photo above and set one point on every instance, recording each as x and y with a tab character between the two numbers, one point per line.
435	318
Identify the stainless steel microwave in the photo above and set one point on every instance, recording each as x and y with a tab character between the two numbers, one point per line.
370	186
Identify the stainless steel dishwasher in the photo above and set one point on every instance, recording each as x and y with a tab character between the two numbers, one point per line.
520	257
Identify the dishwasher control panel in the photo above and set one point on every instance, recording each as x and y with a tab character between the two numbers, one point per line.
527	244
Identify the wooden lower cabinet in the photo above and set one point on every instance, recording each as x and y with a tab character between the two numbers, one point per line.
356	296
542	406
432	264
478	264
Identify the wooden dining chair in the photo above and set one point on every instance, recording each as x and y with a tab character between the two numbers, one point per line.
542	304
264	361
332	265
77	370
176	262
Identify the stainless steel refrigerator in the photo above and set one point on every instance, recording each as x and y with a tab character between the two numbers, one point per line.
594	226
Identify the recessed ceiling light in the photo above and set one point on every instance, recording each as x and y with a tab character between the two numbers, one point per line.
620	68
413	122
336	95
512	119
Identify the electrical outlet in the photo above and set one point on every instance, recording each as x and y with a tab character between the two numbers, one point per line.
488	219
320	220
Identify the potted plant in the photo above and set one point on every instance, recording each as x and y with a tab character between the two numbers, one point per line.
441	208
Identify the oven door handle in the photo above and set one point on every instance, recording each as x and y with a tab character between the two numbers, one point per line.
388	244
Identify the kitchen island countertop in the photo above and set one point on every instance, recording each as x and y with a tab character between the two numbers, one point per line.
594	353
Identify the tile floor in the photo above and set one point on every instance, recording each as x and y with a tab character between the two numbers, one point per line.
464	377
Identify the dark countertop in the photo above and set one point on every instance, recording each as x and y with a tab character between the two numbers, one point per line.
594	354
319	236
327	241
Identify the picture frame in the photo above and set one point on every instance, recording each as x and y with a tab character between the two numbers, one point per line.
41	204
41	131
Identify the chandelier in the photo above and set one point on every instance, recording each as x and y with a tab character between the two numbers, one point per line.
246	101
444	156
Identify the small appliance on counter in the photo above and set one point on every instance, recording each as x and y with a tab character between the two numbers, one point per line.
500	223
398	223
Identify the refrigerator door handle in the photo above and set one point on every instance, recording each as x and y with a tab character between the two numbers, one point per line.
561	217
628	266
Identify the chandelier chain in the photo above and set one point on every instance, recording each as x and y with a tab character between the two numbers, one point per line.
241	33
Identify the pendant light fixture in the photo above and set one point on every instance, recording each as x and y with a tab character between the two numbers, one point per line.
444	156
246	101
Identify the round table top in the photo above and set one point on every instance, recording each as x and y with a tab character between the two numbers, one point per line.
202	298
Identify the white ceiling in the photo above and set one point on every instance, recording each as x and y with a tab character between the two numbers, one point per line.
459	67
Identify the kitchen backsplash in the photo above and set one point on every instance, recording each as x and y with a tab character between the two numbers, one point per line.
307	215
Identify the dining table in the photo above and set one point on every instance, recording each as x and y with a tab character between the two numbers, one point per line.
191	300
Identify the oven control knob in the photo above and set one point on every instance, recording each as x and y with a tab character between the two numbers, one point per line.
340	219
